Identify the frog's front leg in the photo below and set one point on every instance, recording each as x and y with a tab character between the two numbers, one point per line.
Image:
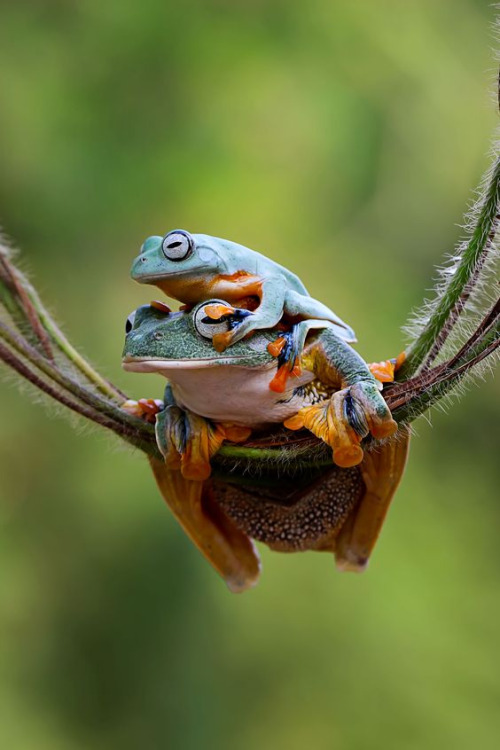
288	349
355	410
267	315
188	441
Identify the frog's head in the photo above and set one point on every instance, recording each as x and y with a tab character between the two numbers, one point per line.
158	341
178	253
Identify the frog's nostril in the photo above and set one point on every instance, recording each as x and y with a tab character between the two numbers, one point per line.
143	259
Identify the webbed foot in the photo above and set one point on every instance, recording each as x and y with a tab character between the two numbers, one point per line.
188	441
345	419
145	408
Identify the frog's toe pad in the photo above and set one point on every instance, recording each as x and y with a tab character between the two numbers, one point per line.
384	371
197	468
216	311
377	414
221	341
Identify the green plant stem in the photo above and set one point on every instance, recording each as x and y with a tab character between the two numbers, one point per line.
25	303
450	305
58	337
74	387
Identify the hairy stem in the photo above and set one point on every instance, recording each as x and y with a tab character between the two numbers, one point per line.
452	301
22	302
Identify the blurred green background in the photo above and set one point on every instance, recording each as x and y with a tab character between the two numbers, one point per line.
343	139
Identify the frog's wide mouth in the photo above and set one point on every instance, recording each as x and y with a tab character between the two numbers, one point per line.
150	364
155	276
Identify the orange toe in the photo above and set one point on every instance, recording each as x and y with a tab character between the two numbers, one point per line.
383	430
217	311
278	383
294	423
348	455
236	433
399	360
276	347
198	471
160	306
383	371
221	341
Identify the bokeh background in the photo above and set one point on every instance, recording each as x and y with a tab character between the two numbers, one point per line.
344	140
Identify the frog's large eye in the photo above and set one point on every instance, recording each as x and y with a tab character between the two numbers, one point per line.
130	322
206	326
177	245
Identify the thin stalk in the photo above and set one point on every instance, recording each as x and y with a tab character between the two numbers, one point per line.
485	333
58	337
41	322
21	292
486	325
452	300
77	389
138	436
422	402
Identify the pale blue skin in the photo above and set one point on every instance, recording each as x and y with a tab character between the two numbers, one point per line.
202	274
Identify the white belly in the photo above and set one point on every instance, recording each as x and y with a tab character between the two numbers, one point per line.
236	394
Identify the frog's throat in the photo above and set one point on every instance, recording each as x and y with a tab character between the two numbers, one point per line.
150	364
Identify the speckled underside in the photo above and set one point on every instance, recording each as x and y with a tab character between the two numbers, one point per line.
311	521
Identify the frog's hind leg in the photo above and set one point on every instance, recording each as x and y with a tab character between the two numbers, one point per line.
381	470
302	306
188	441
227	549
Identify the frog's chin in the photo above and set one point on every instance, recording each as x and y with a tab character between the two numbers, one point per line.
165	365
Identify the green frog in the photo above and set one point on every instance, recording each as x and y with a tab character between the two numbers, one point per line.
193	268
214	397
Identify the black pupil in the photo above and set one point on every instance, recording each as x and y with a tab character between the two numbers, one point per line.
175	244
